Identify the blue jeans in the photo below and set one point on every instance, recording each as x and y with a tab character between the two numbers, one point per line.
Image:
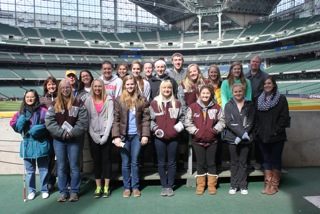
166	149
30	165
130	165
67	153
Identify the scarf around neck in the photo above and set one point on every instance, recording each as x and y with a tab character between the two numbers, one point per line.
267	102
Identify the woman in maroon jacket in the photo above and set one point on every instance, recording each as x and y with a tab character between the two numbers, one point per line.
166	123
204	119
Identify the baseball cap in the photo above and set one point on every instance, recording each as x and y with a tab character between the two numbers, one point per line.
68	72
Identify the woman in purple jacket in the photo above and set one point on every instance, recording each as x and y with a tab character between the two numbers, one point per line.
204	120
166	123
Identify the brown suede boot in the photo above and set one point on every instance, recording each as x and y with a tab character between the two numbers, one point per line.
201	184
212	183
267	181
275	181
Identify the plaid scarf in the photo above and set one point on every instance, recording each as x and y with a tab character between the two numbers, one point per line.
267	102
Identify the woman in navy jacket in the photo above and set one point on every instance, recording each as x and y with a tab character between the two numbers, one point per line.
272	120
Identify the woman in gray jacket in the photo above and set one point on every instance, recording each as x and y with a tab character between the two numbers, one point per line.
239	118
67	121
100	112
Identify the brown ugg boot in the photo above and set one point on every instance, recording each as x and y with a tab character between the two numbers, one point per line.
275	181
201	184
267	181
212	183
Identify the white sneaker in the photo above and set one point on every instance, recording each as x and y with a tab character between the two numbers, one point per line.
232	191
31	196
244	192
45	195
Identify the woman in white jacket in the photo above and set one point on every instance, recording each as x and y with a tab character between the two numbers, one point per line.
100	112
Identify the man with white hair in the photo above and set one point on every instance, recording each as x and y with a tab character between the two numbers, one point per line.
161	75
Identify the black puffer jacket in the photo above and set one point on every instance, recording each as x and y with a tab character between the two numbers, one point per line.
271	125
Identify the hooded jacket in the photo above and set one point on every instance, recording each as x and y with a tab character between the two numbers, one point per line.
167	119
113	86
100	123
204	122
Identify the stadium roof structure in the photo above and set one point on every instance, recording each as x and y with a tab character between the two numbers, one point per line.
185	12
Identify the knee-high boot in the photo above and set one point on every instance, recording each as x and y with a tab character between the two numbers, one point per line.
275	181
267	181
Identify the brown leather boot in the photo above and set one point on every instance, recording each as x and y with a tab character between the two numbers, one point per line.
275	181
212	183
201	184
267	181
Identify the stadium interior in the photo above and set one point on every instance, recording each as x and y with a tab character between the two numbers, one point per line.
288	41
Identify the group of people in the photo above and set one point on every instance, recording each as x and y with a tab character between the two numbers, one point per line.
150	104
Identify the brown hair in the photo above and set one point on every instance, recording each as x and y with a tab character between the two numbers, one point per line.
242	78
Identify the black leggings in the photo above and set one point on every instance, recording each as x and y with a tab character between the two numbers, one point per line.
101	155
206	158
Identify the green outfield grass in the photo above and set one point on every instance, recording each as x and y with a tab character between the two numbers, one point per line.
9	105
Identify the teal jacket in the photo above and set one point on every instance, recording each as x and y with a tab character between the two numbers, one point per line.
226	91
35	137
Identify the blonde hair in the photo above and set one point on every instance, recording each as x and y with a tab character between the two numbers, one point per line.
131	100
160	98
62	102
188	83
103	93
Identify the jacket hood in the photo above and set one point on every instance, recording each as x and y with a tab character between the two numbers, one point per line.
113	78
212	103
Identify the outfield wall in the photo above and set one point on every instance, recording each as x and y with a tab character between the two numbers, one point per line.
301	150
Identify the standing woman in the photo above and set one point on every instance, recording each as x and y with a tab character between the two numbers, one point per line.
100	112
50	87
143	85
239	117
271	123
35	146
130	130
122	70
85	80
67	121
235	75
214	79
204	120
166	123
188	90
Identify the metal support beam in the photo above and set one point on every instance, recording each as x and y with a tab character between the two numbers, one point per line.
219	22
156	4
200	30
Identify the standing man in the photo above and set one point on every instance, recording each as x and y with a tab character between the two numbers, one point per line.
112	83
177	73
257	78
